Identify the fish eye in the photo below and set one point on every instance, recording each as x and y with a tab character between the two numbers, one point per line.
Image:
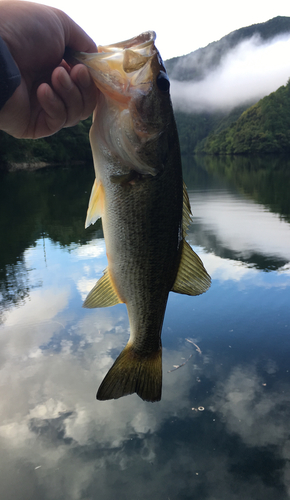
162	81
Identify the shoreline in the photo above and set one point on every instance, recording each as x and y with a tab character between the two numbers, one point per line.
37	165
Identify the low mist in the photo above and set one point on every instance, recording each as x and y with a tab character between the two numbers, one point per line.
246	73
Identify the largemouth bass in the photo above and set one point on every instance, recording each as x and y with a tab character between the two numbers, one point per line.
140	196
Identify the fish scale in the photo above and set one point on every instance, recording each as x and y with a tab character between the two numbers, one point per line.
140	269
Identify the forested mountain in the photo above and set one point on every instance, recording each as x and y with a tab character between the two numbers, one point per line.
263	128
196	65
196	126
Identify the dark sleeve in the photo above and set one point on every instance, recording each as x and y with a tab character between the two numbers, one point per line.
10	76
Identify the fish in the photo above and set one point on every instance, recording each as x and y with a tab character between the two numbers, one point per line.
142	200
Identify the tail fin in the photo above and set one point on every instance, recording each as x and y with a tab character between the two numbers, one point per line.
131	373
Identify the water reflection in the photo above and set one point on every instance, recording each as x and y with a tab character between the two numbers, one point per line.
235	227
263	179
58	442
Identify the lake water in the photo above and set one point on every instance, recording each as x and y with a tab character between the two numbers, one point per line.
221	430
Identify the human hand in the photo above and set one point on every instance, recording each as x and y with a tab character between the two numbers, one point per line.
51	95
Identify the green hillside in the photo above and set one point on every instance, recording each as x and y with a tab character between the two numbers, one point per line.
70	145
262	129
195	127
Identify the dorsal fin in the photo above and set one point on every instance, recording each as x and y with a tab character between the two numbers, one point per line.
186	211
191	278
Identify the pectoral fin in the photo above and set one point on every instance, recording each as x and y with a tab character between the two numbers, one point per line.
96	204
192	278
103	294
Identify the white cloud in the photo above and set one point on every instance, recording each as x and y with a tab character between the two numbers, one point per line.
92	250
241	224
54	423
248	409
85	285
42	305
246	74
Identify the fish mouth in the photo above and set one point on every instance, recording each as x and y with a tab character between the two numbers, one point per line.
141	43
122	69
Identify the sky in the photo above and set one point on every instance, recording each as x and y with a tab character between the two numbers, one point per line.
247	73
181	27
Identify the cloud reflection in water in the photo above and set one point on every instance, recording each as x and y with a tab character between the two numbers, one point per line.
58	442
